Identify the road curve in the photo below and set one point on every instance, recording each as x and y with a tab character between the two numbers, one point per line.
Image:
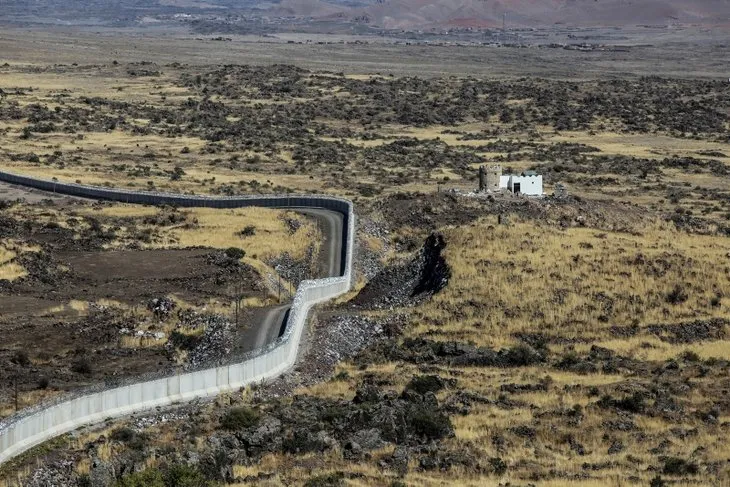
270	325
331	225
36	425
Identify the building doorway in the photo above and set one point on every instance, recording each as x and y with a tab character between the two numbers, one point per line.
516	188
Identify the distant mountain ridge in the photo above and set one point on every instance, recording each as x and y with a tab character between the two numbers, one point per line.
400	14
389	14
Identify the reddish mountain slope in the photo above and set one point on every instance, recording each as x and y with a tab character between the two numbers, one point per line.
488	13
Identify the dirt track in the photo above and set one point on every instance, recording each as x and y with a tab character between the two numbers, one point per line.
11	192
38	314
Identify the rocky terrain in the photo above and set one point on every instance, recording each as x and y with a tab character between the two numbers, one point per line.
580	338
84	303
376	398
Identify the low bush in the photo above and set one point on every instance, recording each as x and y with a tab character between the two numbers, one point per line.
334	479
430	424
82	366
133	439
248	231
183	341
21	358
147	478
235	253
679	466
499	467
677	296
632	404
173	476
240	418
425	383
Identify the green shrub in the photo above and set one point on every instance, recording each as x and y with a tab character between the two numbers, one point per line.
425	383
185	476
235	253
239	418
430	424
147	478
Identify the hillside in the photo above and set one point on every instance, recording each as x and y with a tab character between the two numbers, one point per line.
389	14
490	13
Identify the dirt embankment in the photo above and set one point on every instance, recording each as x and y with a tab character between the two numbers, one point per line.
410	282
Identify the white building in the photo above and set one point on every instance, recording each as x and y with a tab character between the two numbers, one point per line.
491	179
528	183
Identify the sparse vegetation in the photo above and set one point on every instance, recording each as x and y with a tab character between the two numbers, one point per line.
561	341
240	418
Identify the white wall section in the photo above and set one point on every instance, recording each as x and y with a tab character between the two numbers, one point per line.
32	427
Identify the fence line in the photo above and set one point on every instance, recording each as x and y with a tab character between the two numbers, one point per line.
24	431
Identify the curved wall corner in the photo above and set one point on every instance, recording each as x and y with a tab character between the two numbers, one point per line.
30	428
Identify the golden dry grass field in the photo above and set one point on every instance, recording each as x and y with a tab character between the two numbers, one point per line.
579	290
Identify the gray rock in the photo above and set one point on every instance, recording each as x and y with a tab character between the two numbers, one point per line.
101	473
398	461
368	439
266	437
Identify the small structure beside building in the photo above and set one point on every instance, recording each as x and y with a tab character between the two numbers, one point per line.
491	179
561	191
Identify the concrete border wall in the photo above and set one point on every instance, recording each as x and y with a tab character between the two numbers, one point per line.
26	430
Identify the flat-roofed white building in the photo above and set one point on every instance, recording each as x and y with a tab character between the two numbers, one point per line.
491	179
528	183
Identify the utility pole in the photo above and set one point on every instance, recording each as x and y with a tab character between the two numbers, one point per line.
237	298
15	391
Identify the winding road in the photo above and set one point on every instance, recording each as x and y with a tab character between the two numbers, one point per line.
279	331
269	323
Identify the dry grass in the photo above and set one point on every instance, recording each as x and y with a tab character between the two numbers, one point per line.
203	227
573	282
650	146
10	250
75	305
541	279
526	278
216	228
135	342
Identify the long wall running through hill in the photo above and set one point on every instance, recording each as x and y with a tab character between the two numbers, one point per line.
32	427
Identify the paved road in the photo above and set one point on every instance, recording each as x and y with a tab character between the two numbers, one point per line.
267	324
330	224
